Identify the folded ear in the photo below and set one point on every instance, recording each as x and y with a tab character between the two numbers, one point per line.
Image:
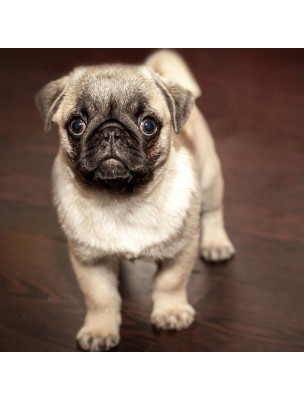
179	100
49	99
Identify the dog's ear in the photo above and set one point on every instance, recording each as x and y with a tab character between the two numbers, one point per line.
49	98
179	100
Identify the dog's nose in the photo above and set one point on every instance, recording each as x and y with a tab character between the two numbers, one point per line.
111	134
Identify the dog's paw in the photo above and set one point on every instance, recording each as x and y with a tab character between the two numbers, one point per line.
217	247
96	340
176	318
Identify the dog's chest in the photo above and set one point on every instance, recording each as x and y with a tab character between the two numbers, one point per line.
132	232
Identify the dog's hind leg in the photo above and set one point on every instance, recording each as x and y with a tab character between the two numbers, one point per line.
215	243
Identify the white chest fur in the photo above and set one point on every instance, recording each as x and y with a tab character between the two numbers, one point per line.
134	226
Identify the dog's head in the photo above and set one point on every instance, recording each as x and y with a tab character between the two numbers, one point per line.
115	122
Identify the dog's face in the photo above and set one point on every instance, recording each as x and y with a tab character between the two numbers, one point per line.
115	122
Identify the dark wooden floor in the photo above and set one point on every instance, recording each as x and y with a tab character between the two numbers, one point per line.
254	102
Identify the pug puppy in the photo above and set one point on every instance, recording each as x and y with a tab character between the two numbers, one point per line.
136	175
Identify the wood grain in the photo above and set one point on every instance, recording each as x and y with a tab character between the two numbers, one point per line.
254	102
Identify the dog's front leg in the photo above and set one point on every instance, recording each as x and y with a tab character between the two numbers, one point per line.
171	309
99	284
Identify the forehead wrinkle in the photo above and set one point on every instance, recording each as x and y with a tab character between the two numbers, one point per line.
117	88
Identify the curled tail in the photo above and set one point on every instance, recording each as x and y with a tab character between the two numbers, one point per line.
170	65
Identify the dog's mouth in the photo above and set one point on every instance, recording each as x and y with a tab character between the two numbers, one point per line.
112	162
112	172
112	168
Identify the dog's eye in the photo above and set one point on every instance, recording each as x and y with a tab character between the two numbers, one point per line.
77	127
148	126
